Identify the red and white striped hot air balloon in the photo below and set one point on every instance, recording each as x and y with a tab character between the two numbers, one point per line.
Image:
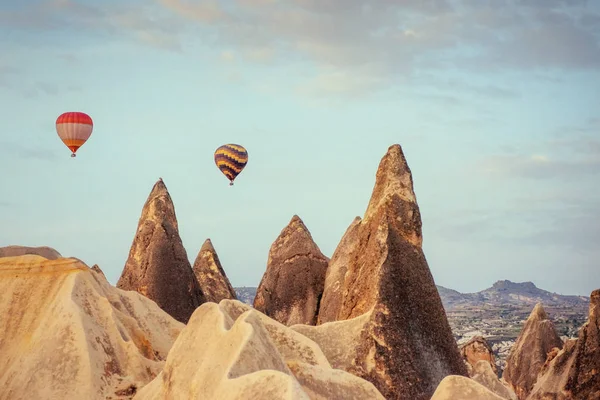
74	129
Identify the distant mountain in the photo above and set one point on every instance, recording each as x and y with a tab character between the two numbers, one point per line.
245	294
502	293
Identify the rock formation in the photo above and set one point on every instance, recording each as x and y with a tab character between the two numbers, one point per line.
97	269
332	293
456	387
43	251
291	288
574	373
529	352
211	277
158	266
405	345
483	373
76	337
231	352
478	349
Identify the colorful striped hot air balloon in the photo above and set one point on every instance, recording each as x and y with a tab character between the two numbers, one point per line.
74	129
231	160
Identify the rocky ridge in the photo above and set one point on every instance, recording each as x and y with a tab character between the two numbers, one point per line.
78	337
43	251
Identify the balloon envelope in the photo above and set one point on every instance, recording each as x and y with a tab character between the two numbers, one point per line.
231	160
74	129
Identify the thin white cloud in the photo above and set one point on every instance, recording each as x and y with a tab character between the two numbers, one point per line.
349	37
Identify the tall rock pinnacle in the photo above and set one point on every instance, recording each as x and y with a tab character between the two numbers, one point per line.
379	270
158	266
530	351
292	286
210	274
574	373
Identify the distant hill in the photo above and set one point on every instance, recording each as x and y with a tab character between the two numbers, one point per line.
502	293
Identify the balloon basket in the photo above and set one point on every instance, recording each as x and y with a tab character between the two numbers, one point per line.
73	155
230	183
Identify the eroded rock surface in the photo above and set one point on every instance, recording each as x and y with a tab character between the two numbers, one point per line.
230	351
406	347
332	293
574	372
483	373
478	349
210	274
43	251
456	387
66	333
530	351
291	288
158	266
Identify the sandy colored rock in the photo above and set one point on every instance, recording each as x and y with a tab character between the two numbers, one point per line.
97	270
232	356
478	349
210	274
332	292
158	266
43	251
407	347
77	337
455	387
484	374
292	345
530	351
339	340
574	373
292	285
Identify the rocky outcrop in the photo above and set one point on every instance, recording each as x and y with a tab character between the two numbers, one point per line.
97	270
483	373
478	349
332	293
231	352
158	266
66	333
574	373
291	288
406	346
210	274
42	251
530	351
456	387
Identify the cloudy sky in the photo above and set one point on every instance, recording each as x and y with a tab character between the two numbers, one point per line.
496	104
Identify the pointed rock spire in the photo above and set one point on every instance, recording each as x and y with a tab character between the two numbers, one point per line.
292	285
210	274
406	347
158	266
333	290
530	351
574	373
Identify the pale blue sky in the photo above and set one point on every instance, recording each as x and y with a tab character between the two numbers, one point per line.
495	103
